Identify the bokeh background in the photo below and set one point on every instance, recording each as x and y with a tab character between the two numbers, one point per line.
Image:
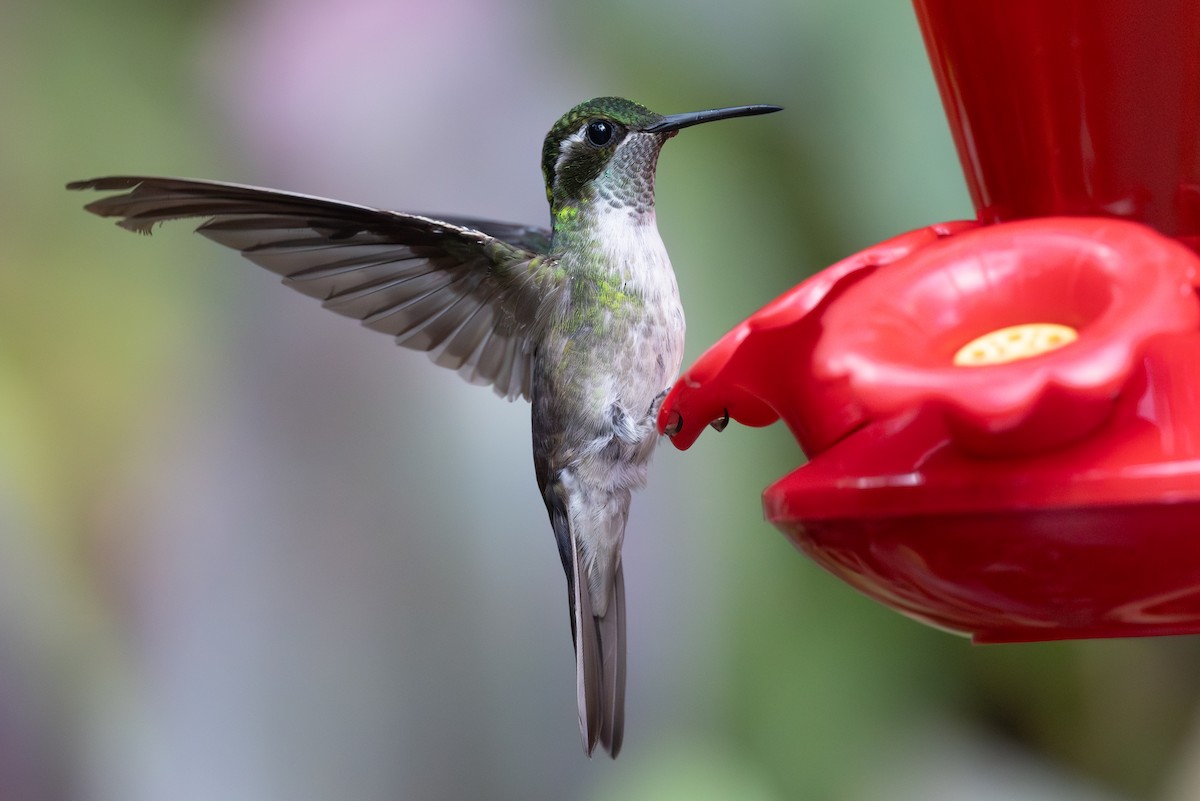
249	551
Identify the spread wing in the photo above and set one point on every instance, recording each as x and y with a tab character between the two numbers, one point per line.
466	291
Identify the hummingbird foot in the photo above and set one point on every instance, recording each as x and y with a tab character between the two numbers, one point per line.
657	403
624	426
631	430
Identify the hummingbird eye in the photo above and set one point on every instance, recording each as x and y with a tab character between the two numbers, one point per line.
600	132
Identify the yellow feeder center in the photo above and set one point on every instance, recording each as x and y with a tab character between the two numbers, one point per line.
1014	343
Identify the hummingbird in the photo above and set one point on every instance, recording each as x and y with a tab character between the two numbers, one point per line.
583	320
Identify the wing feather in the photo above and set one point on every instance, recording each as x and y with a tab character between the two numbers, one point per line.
468	292
461	344
487	363
434	329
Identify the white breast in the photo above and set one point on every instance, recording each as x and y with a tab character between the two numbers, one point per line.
632	245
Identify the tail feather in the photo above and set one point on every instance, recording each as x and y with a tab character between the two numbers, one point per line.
599	640
588	662
611	629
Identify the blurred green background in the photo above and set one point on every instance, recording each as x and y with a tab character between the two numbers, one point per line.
248	551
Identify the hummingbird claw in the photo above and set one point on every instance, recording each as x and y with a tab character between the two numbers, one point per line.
719	424
674	424
656	404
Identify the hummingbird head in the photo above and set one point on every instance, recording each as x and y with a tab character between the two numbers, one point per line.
607	150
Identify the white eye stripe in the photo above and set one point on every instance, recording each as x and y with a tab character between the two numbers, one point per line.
569	144
577	138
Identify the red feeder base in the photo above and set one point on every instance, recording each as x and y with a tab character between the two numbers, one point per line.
1098	540
1024	576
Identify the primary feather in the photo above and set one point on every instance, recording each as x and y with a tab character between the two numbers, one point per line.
467	296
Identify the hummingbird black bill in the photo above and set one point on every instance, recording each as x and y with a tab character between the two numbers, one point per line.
673	122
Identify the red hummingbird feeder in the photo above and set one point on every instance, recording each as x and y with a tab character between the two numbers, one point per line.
1002	416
